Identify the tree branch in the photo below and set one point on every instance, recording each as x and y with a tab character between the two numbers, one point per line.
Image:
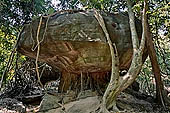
114	80
136	64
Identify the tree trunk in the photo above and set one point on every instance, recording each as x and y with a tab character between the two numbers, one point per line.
114	80
118	84
161	95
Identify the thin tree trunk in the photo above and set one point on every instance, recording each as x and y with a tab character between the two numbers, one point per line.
160	95
114	80
11	58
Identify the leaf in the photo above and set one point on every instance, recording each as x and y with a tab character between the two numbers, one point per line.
51	11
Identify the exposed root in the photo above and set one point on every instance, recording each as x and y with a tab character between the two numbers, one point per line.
38	52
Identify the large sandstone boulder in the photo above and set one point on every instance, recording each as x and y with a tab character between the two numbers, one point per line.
74	42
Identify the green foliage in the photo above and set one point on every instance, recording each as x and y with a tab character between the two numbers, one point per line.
5	49
159	14
14	14
160	27
106	5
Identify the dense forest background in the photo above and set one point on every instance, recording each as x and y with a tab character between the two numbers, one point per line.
16	13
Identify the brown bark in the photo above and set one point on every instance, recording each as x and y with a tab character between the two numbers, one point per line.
155	67
161	94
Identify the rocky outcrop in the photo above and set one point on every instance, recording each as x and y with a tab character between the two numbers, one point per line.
74	41
91	103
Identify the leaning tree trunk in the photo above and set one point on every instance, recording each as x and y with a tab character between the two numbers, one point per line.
161	95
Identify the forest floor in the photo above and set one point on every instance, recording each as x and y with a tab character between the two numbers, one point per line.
87	101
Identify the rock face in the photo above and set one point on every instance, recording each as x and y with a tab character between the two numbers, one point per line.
74	41
59	104
92	103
